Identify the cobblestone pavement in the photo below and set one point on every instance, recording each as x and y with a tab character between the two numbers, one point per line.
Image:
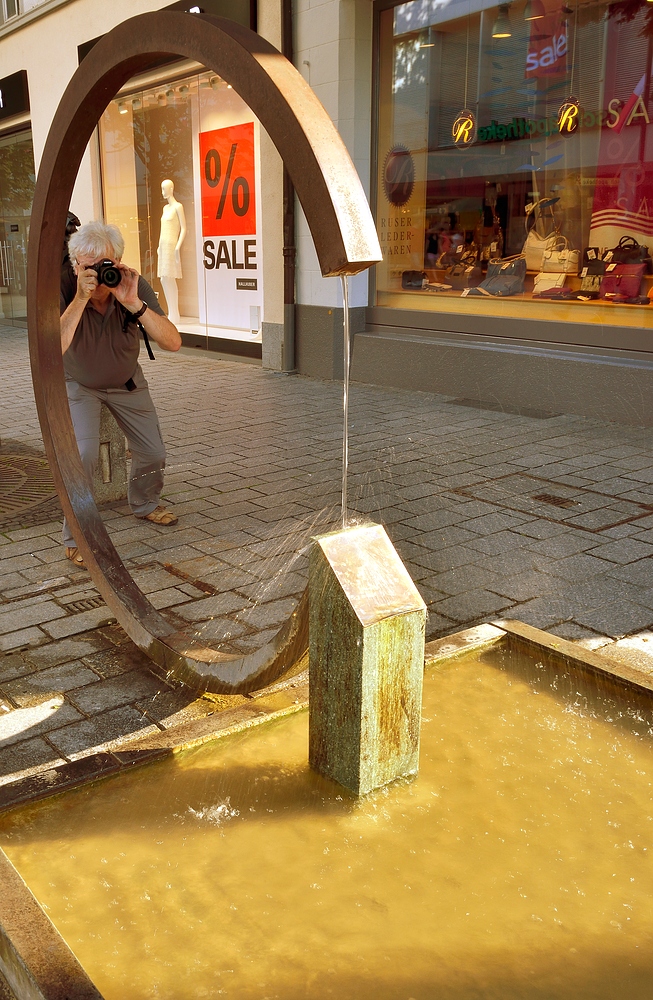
546	519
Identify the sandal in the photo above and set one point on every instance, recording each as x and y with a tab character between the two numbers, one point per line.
161	516
75	556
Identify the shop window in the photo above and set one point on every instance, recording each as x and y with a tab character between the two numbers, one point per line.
191	143
17	180
515	159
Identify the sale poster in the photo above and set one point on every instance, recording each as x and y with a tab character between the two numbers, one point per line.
231	261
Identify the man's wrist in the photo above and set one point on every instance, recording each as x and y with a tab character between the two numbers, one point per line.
134	307
137	313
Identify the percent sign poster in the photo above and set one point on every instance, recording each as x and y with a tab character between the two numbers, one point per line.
230	245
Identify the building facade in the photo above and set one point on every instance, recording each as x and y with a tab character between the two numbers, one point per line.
518	132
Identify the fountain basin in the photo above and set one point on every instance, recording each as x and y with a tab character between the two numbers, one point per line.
517	864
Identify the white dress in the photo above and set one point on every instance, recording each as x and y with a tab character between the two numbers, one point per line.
167	266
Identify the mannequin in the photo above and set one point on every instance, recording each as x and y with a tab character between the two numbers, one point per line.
173	234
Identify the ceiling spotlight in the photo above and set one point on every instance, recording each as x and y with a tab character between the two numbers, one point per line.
122	107
502	27
215	82
161	100
137	104
535	9
183	90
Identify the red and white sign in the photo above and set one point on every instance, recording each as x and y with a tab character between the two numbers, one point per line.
228	181
547	48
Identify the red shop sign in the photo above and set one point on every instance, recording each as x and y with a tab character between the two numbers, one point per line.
228	181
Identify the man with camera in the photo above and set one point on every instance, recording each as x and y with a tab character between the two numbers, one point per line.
101	320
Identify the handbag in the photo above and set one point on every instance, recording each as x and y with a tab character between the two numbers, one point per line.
622	281
464	275
489	238
535	246
560	259
413	280
629	251
591	273
504	277
547	282
536	242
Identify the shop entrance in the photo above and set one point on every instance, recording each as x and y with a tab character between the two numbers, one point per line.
16	194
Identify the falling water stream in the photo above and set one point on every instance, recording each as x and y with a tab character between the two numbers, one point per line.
345	400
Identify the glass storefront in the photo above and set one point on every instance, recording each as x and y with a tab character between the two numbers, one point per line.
17	181
515	159
185	155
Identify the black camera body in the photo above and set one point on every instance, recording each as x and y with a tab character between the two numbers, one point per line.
107	273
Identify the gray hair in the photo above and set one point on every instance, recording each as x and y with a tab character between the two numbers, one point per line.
94	239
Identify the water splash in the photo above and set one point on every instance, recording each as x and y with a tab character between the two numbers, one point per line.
216	814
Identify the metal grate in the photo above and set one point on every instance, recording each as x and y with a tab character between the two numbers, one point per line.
25	482
555	501
86	604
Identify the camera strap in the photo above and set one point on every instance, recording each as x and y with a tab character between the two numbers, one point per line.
150	352
129	318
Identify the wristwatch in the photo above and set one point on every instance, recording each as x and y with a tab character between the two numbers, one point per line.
140	311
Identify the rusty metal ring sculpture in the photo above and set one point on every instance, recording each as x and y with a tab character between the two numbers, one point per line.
345	239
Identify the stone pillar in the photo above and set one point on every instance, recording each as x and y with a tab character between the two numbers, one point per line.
367	623
110	480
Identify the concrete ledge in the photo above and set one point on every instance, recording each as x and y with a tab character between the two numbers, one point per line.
451	647
34	958
552	650
590	382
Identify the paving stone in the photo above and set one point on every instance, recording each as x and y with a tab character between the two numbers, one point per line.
263	615
489	523
115	691
581	565
65	649
33	614
463	578
14	665
638	573
37	720
74	624
116	660
25	758
173	708
572	631
471	605
31	689
219	632
617	619
568	543
101	732
221	604
21	639
10	582
626	550
167	598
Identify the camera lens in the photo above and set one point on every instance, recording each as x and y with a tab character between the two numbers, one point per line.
108	274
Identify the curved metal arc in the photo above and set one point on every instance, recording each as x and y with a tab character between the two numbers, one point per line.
346	242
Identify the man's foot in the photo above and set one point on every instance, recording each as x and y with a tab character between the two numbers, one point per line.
161	516
75	556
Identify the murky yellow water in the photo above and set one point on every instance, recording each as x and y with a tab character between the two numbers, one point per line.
518	864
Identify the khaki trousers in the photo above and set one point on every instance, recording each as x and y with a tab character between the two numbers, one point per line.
135	414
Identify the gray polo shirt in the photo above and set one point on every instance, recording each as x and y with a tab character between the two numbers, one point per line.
102	355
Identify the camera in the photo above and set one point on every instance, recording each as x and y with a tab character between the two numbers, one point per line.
107	273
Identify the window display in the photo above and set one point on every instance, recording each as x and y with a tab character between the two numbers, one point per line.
180	179
515	159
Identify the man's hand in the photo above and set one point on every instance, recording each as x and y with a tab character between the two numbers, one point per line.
127	291
86	283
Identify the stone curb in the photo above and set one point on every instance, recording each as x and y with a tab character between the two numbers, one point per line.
34	958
